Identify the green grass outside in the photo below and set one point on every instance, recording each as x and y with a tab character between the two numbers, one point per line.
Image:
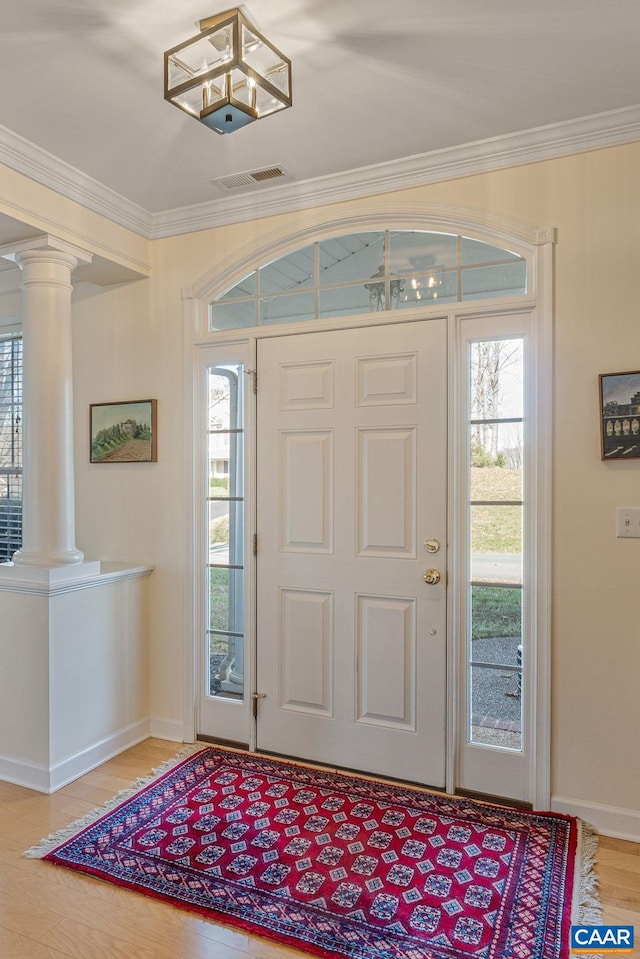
496	529
495	611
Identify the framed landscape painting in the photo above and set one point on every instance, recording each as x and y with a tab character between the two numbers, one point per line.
620	415
123	432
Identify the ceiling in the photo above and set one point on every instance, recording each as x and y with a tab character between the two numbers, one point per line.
373	82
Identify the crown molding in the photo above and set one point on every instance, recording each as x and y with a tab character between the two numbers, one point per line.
32	161
482	156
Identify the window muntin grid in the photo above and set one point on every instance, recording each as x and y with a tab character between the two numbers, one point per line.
497	653
225	496
369	272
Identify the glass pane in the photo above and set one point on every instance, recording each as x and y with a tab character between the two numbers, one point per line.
10	446
496	708
289	308
225	456
226	532
496	477
496	544
226	600
225	665
497	381
190	100
225	529
356	256
506	280
475	251
422	252
344	300
294	271
261	57
232	316
201	55
265	103
226	388
496	624
429	288
246	287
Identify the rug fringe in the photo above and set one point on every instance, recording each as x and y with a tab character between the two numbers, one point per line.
48	844
587	908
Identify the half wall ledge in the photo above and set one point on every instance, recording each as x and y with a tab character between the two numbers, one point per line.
74	684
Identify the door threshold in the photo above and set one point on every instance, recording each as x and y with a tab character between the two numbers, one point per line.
494	800
350	771
228	743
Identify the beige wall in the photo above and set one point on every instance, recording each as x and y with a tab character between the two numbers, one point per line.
128	345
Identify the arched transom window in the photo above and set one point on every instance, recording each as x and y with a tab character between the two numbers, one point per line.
368	272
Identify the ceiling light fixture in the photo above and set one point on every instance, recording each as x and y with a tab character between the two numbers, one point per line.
227	75
376	290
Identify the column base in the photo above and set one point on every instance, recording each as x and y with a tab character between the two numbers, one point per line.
48	557
50	575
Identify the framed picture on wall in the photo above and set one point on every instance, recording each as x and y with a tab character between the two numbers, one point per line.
620	415
123	432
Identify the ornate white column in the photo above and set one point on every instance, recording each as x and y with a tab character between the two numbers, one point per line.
48	512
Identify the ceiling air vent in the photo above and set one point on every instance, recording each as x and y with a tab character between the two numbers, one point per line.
253	178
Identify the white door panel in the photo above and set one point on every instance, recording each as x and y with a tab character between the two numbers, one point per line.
352	475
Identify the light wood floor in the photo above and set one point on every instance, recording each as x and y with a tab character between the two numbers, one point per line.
49	913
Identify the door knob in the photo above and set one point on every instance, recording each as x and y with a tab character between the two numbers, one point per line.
431	577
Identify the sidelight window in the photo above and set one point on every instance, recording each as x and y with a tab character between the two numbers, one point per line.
225	538
496	649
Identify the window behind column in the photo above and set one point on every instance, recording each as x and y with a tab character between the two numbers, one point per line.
10	445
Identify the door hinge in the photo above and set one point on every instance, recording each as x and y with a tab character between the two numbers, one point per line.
255	544
256	697
254	379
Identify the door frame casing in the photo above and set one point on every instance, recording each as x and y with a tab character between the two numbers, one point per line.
537	246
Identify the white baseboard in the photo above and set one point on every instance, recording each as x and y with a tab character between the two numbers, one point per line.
49	779
31	775
170	729
609	820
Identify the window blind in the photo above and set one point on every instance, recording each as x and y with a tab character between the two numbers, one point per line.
10	445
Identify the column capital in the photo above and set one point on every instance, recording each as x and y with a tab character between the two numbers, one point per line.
18	252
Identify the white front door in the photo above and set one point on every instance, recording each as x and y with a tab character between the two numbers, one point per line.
351	484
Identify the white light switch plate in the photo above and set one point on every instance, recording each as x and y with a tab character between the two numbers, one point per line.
628	522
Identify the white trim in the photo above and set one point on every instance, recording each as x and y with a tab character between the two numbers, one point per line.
234	718
109	573
514	149
615	821
48	779
543	384
21	773
169	729
25	157
390	214
536	246
454	565
190	671
482	156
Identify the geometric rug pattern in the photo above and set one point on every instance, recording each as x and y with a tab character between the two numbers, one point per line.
337	865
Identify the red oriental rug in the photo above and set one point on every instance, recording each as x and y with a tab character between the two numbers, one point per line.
337	865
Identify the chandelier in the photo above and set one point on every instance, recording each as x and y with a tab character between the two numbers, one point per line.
228	75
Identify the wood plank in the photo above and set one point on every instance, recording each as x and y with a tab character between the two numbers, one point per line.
54	913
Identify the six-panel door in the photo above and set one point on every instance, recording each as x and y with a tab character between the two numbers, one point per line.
351	481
